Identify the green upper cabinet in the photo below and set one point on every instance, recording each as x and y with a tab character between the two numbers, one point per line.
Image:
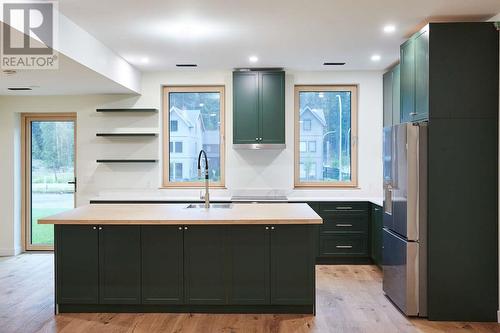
407	80
392	97
388	81
259	107
396	94
245	107
415	77
422	76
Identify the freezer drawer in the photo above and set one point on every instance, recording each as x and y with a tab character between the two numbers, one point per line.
401	272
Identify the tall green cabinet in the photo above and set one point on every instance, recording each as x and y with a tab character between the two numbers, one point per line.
258	108
449	78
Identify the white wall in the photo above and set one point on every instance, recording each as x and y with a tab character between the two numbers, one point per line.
261	171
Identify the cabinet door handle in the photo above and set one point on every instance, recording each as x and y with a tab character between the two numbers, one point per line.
94	228
272	228
100	228
267	228
413	113
344	246
185	228
256	139
343	225
180	228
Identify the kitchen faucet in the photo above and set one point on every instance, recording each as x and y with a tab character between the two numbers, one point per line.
207	197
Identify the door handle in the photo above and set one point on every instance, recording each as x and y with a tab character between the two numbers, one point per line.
73	182
344	246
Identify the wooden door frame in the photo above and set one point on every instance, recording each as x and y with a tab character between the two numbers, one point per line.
26	119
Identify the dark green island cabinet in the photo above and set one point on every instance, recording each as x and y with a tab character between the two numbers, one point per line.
258	108
185	268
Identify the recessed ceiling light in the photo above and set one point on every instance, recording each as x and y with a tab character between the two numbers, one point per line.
189	28
388	29
375	57
253	59
145	60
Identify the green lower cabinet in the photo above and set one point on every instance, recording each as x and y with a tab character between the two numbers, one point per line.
344	245
249	265
205	265
376	234
77	264
344	236
162	259
193	268
119	265
292	265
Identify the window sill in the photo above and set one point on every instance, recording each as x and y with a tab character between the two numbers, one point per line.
327	186
192	186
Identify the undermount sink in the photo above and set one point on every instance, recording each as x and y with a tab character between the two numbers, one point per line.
224	205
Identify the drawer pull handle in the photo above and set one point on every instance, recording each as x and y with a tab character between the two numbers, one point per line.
343	225
344	207
344	246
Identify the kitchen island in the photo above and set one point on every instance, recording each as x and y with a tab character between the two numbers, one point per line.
239	258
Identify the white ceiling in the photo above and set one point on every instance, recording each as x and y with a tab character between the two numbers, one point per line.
295	34
71	78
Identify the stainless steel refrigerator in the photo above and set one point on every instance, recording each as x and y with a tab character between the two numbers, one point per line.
405	217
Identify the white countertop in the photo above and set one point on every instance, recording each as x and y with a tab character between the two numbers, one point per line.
159	198
178	214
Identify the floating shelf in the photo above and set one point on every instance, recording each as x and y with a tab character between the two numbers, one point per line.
126	161
126	134
128	110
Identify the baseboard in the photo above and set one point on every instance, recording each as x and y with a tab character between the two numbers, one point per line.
7	252
498	316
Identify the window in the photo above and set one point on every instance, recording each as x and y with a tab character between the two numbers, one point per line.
196	118
178	147
175	171
326	132
303	146
306	124
173	125
311	146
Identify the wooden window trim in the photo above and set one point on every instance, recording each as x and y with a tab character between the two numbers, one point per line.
354	136
26	119
166	183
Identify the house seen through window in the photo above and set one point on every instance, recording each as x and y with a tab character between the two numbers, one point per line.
195	115
326	129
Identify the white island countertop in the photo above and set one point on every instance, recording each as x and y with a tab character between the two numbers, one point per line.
178	214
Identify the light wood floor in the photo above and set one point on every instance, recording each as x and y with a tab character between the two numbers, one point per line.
349	299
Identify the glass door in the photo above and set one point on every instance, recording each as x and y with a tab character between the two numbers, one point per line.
49	174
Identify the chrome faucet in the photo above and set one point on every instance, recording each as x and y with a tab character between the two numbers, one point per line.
207	196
